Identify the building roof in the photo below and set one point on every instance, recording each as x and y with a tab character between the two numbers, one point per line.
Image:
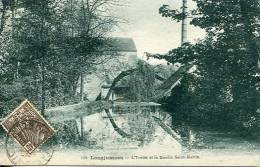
122	45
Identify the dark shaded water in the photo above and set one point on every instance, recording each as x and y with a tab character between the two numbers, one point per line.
219	141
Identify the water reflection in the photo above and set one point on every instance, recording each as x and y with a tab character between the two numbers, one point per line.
140	122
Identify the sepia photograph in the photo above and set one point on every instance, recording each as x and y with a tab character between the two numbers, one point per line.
130	82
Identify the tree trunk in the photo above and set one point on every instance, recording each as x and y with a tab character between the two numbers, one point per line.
82	99
3	17
252	46
43	87
13	15
43	52
82	86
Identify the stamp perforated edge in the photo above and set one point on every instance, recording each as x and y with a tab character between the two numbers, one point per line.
17	108
37	112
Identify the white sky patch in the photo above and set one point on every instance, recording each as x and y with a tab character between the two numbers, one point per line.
151	32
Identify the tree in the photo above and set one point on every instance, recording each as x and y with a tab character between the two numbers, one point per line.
50	44
226	59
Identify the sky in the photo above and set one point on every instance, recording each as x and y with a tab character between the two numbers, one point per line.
151	32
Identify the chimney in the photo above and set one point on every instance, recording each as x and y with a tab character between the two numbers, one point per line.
184	37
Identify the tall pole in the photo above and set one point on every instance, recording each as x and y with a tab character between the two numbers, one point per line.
184	30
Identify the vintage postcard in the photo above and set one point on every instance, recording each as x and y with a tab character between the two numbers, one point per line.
130	82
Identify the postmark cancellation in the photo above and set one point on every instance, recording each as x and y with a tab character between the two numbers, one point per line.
27	126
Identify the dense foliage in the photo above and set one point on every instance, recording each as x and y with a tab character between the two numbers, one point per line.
222	92
142	83
46	46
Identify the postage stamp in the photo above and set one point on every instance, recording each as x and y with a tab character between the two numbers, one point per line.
27	127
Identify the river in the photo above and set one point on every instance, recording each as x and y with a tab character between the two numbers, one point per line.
205	147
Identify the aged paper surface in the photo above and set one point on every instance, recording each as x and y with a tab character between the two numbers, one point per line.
130	82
